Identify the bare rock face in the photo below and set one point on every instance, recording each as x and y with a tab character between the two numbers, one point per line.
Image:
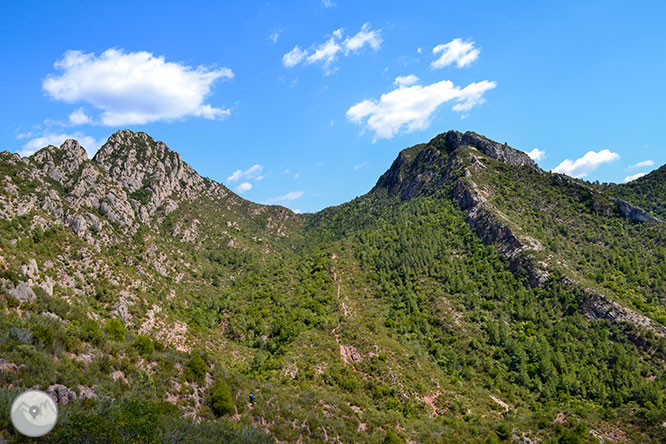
634	213
22	292
61	164
152	174
61	394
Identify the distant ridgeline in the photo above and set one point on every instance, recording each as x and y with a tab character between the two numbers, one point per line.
468	297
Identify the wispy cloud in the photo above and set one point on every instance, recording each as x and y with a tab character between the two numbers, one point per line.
536	154
358	166
413	106
337	44
79	117
642	164
252	173
634	177
406	80
457	51
242	188
289	197
275	35
587	164
134	87
327	3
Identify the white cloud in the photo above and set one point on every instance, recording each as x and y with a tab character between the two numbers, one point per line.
406	80
644	163
293	57
456	51
362	38
536	154
297	211
135	87
275	35
634	177
242	188
326	53
327	3
291	196
90	144
79	117
585	165
412	106
253	173
358	166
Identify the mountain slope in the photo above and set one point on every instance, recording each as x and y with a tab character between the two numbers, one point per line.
647	192
468	296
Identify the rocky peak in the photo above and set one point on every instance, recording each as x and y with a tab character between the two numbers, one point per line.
61	163
425	167
148	170
498	151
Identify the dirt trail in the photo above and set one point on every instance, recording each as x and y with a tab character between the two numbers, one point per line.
430	401
347	352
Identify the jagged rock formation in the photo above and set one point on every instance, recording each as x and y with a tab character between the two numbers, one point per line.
153	174
129	179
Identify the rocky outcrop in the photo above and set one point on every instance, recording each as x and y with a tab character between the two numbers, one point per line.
61	394
634	213
424	168
153	175
417	170
596	307
486	223
498	151
22	292
61	164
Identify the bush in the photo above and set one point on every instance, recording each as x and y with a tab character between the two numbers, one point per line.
221	402
503	432
144	345
197	367
393	438
115	329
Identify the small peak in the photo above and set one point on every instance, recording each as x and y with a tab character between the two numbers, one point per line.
451	140
74	150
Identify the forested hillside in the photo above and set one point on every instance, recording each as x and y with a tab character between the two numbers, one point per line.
468	297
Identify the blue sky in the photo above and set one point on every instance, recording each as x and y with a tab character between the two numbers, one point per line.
306	103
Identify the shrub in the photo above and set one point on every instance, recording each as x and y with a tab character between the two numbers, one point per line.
115	329
503	432
197	367
144	345
392	438
221	402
